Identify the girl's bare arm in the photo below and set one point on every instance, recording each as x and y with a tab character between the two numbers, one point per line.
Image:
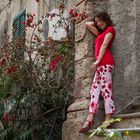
90	26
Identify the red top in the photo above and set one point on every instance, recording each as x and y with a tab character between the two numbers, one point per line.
107	57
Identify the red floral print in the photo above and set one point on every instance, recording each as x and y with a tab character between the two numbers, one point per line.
106	91
110	86
101	69
92	104
102	85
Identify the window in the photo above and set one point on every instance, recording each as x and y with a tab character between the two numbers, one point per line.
18	26
1	107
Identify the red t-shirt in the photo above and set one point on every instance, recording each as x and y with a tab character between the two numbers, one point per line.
107	57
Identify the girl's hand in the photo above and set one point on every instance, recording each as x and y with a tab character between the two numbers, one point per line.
97	62
94	65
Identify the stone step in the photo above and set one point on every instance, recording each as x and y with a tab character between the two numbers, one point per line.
135	136
131	120
137	130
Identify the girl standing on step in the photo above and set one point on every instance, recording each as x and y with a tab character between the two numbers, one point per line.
103	29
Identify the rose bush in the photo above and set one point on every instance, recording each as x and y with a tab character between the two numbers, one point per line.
36	77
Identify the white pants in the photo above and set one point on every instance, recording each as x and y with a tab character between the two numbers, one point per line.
102	84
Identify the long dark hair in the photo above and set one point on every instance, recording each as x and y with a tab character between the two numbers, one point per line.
104	17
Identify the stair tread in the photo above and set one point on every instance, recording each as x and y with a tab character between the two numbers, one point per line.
128	115
137	129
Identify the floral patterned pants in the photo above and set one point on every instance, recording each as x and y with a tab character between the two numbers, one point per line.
102	84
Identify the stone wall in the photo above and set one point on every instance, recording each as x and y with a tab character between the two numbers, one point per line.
125	15
4	19
125	18
125	82
137	44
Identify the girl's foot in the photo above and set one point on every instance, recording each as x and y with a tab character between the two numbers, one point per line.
106	124
87	126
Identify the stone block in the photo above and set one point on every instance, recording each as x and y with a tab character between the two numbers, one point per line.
80	104
80	30
83	68
72	125
82	87
80	51
128	123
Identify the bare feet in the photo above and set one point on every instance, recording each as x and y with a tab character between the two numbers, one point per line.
106	123
108	117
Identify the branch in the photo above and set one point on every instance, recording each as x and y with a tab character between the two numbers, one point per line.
137	97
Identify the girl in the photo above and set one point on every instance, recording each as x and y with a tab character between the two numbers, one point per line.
102	28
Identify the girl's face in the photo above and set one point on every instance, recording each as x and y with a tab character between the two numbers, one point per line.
100	23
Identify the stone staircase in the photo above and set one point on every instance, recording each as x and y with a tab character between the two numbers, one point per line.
130	122
76	116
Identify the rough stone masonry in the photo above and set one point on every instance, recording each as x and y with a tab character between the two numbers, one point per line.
126	49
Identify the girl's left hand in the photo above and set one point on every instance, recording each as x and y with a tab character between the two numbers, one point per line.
94	65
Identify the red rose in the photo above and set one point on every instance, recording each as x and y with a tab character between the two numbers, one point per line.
2	61
71	11
75	14
30	20
11	70
58	58
24	23
6	117
53	65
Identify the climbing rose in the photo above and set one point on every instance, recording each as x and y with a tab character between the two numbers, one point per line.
53	63
6	117
24	23
71	11
2	61
11	70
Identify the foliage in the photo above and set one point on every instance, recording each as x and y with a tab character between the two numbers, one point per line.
35	84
